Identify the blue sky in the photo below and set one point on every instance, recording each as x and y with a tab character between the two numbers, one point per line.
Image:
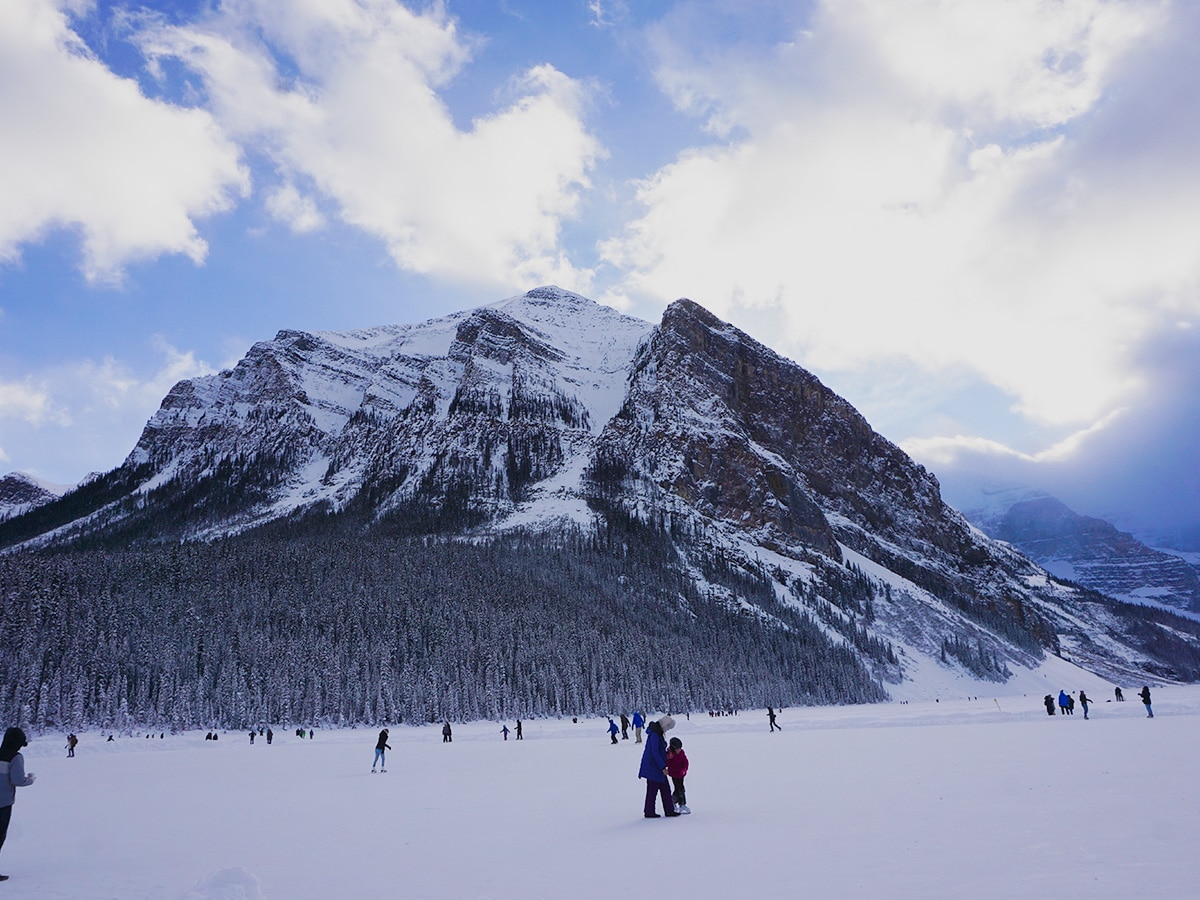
977	220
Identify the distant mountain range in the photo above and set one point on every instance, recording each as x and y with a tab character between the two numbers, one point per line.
1087	550
536	506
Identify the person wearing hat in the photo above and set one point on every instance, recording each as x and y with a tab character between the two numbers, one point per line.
12	776
654	768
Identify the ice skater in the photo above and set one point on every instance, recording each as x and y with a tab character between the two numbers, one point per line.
447	734
638	722
613	730
677	768
1084	701
771	718
1144	693
381	748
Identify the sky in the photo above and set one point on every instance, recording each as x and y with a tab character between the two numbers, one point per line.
978	221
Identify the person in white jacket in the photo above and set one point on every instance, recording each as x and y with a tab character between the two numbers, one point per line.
12	776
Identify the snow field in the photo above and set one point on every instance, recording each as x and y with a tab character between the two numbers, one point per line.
951	799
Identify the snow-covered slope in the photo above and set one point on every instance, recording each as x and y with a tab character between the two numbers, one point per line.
547	412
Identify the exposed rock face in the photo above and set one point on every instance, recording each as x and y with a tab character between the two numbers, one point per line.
1094	553
548	411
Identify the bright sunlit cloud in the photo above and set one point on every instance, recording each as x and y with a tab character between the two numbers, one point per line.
83	149
357	112
918	182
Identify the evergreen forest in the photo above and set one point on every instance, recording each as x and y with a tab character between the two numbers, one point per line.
313	627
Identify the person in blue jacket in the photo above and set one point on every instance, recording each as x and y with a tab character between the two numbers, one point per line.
638	722
654	768
613	730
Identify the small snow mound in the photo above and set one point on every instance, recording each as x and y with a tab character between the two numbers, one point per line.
228	884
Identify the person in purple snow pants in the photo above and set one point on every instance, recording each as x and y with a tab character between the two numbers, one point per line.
654	768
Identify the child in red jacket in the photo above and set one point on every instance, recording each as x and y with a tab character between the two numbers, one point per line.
677	766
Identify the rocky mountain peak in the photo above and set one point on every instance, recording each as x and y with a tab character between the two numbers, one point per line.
723	464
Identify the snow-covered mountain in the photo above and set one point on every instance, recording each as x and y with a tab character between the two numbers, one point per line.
1087	550
682	467
19	493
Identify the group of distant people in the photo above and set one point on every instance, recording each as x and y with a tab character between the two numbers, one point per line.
1066	702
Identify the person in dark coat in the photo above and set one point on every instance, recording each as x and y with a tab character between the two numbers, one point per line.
654	768
519	736
12	776
1120	697
624	727
1144	693
381	746
1084	701
771	718
447	734
1049	701
270	736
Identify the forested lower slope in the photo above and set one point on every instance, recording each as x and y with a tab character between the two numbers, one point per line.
313	628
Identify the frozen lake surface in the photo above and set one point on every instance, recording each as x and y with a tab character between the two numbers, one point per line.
961	798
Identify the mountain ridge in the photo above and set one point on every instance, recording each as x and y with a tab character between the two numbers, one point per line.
548	420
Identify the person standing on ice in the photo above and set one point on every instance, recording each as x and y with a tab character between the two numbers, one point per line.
1120	697
1144	693
381	746
613	730
504	731
1084	701
771	718
12	776
677	768
447	734
638	722
624	727
1049	701
519	737
654	768
1064	702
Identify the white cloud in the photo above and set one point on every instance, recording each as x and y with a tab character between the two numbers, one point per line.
297	211
25	400
358	115
84	149
87	412
932	183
